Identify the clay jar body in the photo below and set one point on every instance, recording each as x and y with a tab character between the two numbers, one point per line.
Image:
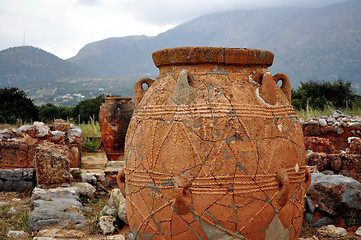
214	149
114	117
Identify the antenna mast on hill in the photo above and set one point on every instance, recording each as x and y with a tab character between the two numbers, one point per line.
23	39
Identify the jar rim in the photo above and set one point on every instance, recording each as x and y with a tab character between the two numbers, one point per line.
216	55
118	98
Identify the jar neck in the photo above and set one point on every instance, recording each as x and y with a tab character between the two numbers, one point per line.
210	68
118	99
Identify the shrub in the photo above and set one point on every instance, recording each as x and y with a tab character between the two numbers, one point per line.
318	95
2	120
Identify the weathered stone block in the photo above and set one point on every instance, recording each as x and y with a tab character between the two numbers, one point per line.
332	231
335	194
319	144
16	155
52	164
17	180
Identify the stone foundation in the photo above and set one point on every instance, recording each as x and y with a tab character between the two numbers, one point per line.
348	165
334	149
16	155
336	133
17	180
17	148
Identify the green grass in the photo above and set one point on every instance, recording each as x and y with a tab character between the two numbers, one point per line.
97	204
19	219
91	144
309	113
90	129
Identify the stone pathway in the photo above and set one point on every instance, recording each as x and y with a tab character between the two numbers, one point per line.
57	207
58	213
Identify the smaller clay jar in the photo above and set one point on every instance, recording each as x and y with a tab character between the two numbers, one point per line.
114	117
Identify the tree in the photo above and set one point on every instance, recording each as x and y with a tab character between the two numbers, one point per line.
49	112
2	119
88	108
317	95
16	106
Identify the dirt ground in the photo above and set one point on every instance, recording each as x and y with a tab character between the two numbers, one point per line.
93	161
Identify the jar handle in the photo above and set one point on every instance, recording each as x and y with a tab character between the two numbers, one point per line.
138	89
286	84
121	181
183	200
283	182
308	179
267	90
183	92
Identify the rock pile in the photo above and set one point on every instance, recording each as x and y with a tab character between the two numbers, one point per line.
348	165
334	143
48	150
332	197
114	213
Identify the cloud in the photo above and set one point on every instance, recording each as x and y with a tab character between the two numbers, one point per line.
160	11
63	27
89	2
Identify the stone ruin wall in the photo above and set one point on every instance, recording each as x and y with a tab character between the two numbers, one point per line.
334	143
18	151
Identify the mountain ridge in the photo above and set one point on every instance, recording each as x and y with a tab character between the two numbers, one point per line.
308	43
25	65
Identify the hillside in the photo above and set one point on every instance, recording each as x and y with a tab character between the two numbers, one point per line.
25	66
321	43
114	57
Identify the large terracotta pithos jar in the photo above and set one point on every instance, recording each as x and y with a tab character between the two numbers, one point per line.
114	117
214	149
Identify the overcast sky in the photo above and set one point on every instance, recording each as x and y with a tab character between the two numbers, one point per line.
63	27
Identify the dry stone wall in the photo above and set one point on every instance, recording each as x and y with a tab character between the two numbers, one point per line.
17	180
334	143
38	153
334	152
337	133
17	147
